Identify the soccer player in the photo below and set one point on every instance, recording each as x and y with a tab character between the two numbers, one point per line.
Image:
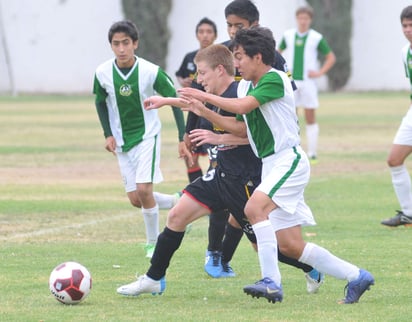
241	14
132	133
206	34
402	143
228	185
302	46
266	103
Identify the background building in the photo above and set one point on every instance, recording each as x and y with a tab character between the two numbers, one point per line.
54	46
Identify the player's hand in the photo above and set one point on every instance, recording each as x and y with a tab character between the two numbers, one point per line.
314	74
189	93
184	153
153	102
190	146
195	106
110	144
201	136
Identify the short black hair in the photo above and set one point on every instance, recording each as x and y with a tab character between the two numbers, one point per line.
126	26
244	9
406	13
207	21
257	40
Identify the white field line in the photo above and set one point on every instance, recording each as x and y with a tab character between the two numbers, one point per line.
52	231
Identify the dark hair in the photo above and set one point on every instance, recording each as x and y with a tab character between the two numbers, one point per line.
125	26
208	22
257	40
406	13
244	9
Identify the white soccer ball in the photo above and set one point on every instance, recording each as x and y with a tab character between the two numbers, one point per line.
70	283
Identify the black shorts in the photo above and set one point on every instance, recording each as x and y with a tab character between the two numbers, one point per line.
218	191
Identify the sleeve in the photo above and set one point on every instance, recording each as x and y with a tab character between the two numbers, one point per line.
164	86
270	88
101	107
182	72
191	122
98	90
282	45
103	113
323	47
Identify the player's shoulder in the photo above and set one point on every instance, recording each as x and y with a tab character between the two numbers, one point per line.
107	65
406	47
289	32
315	34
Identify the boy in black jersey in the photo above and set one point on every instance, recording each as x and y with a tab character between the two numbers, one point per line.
228	186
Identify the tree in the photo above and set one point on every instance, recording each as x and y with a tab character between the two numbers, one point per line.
151	19
333	18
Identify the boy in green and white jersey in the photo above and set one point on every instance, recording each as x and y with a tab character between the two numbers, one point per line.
266	104
402	143
302	46
121	85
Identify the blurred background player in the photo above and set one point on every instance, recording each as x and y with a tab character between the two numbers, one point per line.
133	134
303	45
402	143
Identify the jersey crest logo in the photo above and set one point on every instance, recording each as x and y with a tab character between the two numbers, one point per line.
299	42
125	90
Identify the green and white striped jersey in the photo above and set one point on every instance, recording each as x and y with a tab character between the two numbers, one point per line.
273	126
302	51
407	62
124	95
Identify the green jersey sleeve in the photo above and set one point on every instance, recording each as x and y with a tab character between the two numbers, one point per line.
282	45
323	47
101	107
270	87
165	87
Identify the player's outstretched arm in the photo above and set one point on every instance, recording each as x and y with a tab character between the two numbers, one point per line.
201	136
154	102
228	123
235	105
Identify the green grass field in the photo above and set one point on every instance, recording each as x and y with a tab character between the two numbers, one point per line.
61	198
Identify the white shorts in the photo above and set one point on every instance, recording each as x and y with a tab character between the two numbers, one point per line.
141	164
306	95
404	134
284	178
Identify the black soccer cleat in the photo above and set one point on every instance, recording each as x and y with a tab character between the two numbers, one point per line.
399	220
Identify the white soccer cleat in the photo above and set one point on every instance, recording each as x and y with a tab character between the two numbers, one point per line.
314	280
144	284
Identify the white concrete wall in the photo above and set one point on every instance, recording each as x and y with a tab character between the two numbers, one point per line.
377	40
55	45
276	15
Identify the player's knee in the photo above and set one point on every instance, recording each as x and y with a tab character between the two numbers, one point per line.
290	250
176	221
393	161
135	203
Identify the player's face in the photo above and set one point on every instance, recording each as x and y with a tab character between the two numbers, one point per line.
304	21
208	77
235	23
407	29
123	48
244	64
205	35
